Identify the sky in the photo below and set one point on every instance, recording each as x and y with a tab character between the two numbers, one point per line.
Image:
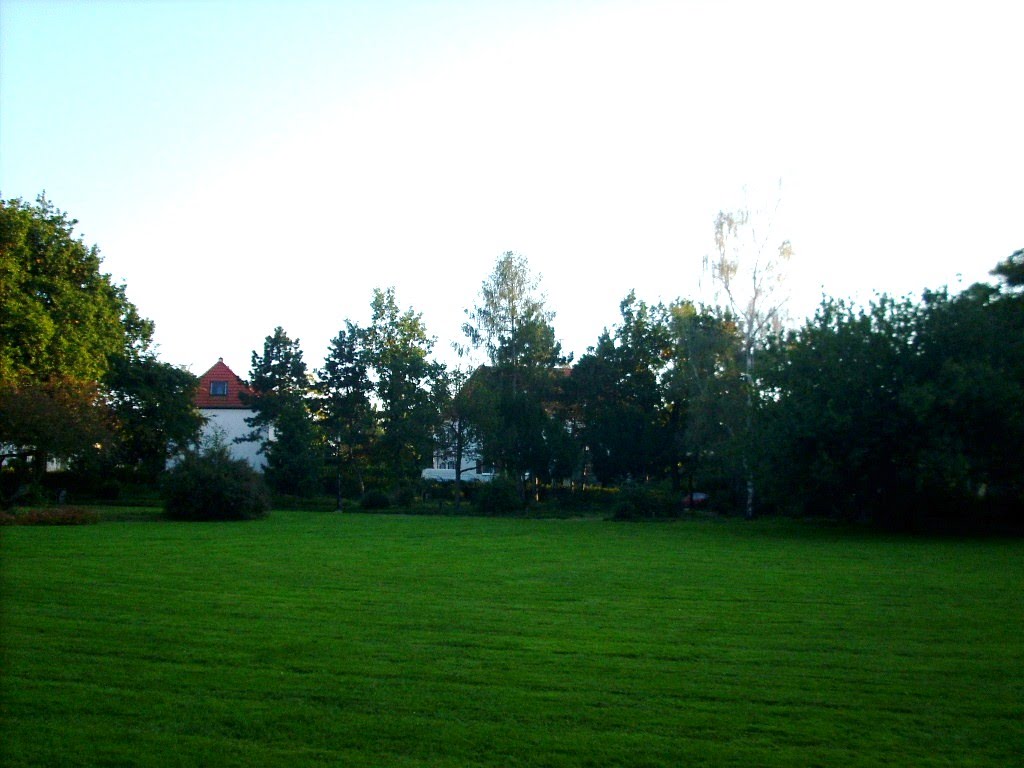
247	164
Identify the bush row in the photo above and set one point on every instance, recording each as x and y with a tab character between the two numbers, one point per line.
50	516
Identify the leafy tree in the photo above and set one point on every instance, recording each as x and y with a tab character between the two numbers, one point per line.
62	322
60	316
706	393
906	413
832	428
1011	270
57	417
343	406
154	406
282	421
511	325
619	387
455	432
748	270
397	350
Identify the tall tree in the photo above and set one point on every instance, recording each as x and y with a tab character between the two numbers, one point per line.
282	422
153	404
706	392
455	434
62	321
904	412
511	325
619	386
397	354
344	409
748	271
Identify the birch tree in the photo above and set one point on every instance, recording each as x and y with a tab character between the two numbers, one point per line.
748	270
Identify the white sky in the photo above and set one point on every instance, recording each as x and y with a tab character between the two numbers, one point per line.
243	165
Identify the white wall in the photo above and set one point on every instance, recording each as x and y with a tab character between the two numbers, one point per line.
230	422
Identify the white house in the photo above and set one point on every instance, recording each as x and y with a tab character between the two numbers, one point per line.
473	468
218	399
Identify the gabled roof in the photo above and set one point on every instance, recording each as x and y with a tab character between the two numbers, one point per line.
221	379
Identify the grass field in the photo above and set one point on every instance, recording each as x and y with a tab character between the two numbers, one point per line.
365	640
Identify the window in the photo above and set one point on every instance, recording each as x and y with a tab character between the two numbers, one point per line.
219	388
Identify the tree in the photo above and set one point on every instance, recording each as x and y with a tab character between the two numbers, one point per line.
907	413
511	325
748	270
706	391
455	432
1011	270
344	410
281	388
619	387
397	350
62	322
153	404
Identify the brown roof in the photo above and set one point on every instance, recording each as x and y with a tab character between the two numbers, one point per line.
221	380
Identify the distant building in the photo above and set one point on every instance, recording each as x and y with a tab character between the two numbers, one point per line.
218	398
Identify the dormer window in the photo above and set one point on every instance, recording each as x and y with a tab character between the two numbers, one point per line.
219	388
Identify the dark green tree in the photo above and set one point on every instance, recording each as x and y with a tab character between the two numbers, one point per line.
709	399
455	433
282	421
907	413
62	322
397	355
512	327
620	391
153	404
344	409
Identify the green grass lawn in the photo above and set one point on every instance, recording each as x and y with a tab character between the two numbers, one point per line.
364	640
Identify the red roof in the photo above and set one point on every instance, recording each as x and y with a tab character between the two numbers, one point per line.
219	387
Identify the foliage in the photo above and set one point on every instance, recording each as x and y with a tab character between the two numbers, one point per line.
50	516
396	354
282	422
343	408
210	485
749	271
501	496
58	417
619	390
375	500
646	502
154	406
60	316
516	396
62	321
906	413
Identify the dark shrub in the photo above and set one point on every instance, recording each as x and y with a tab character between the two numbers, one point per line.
406	494
642	502
51	516
213	486
375	500
438	490
498	497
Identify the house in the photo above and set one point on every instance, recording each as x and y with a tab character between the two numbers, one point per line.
218	398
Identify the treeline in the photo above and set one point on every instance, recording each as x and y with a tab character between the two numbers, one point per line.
908	413
903	412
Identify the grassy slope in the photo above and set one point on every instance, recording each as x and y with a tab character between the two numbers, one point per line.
381	640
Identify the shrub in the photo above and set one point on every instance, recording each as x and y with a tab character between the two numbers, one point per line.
375	500
406	494
51	516
213	486
641	502
498	497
